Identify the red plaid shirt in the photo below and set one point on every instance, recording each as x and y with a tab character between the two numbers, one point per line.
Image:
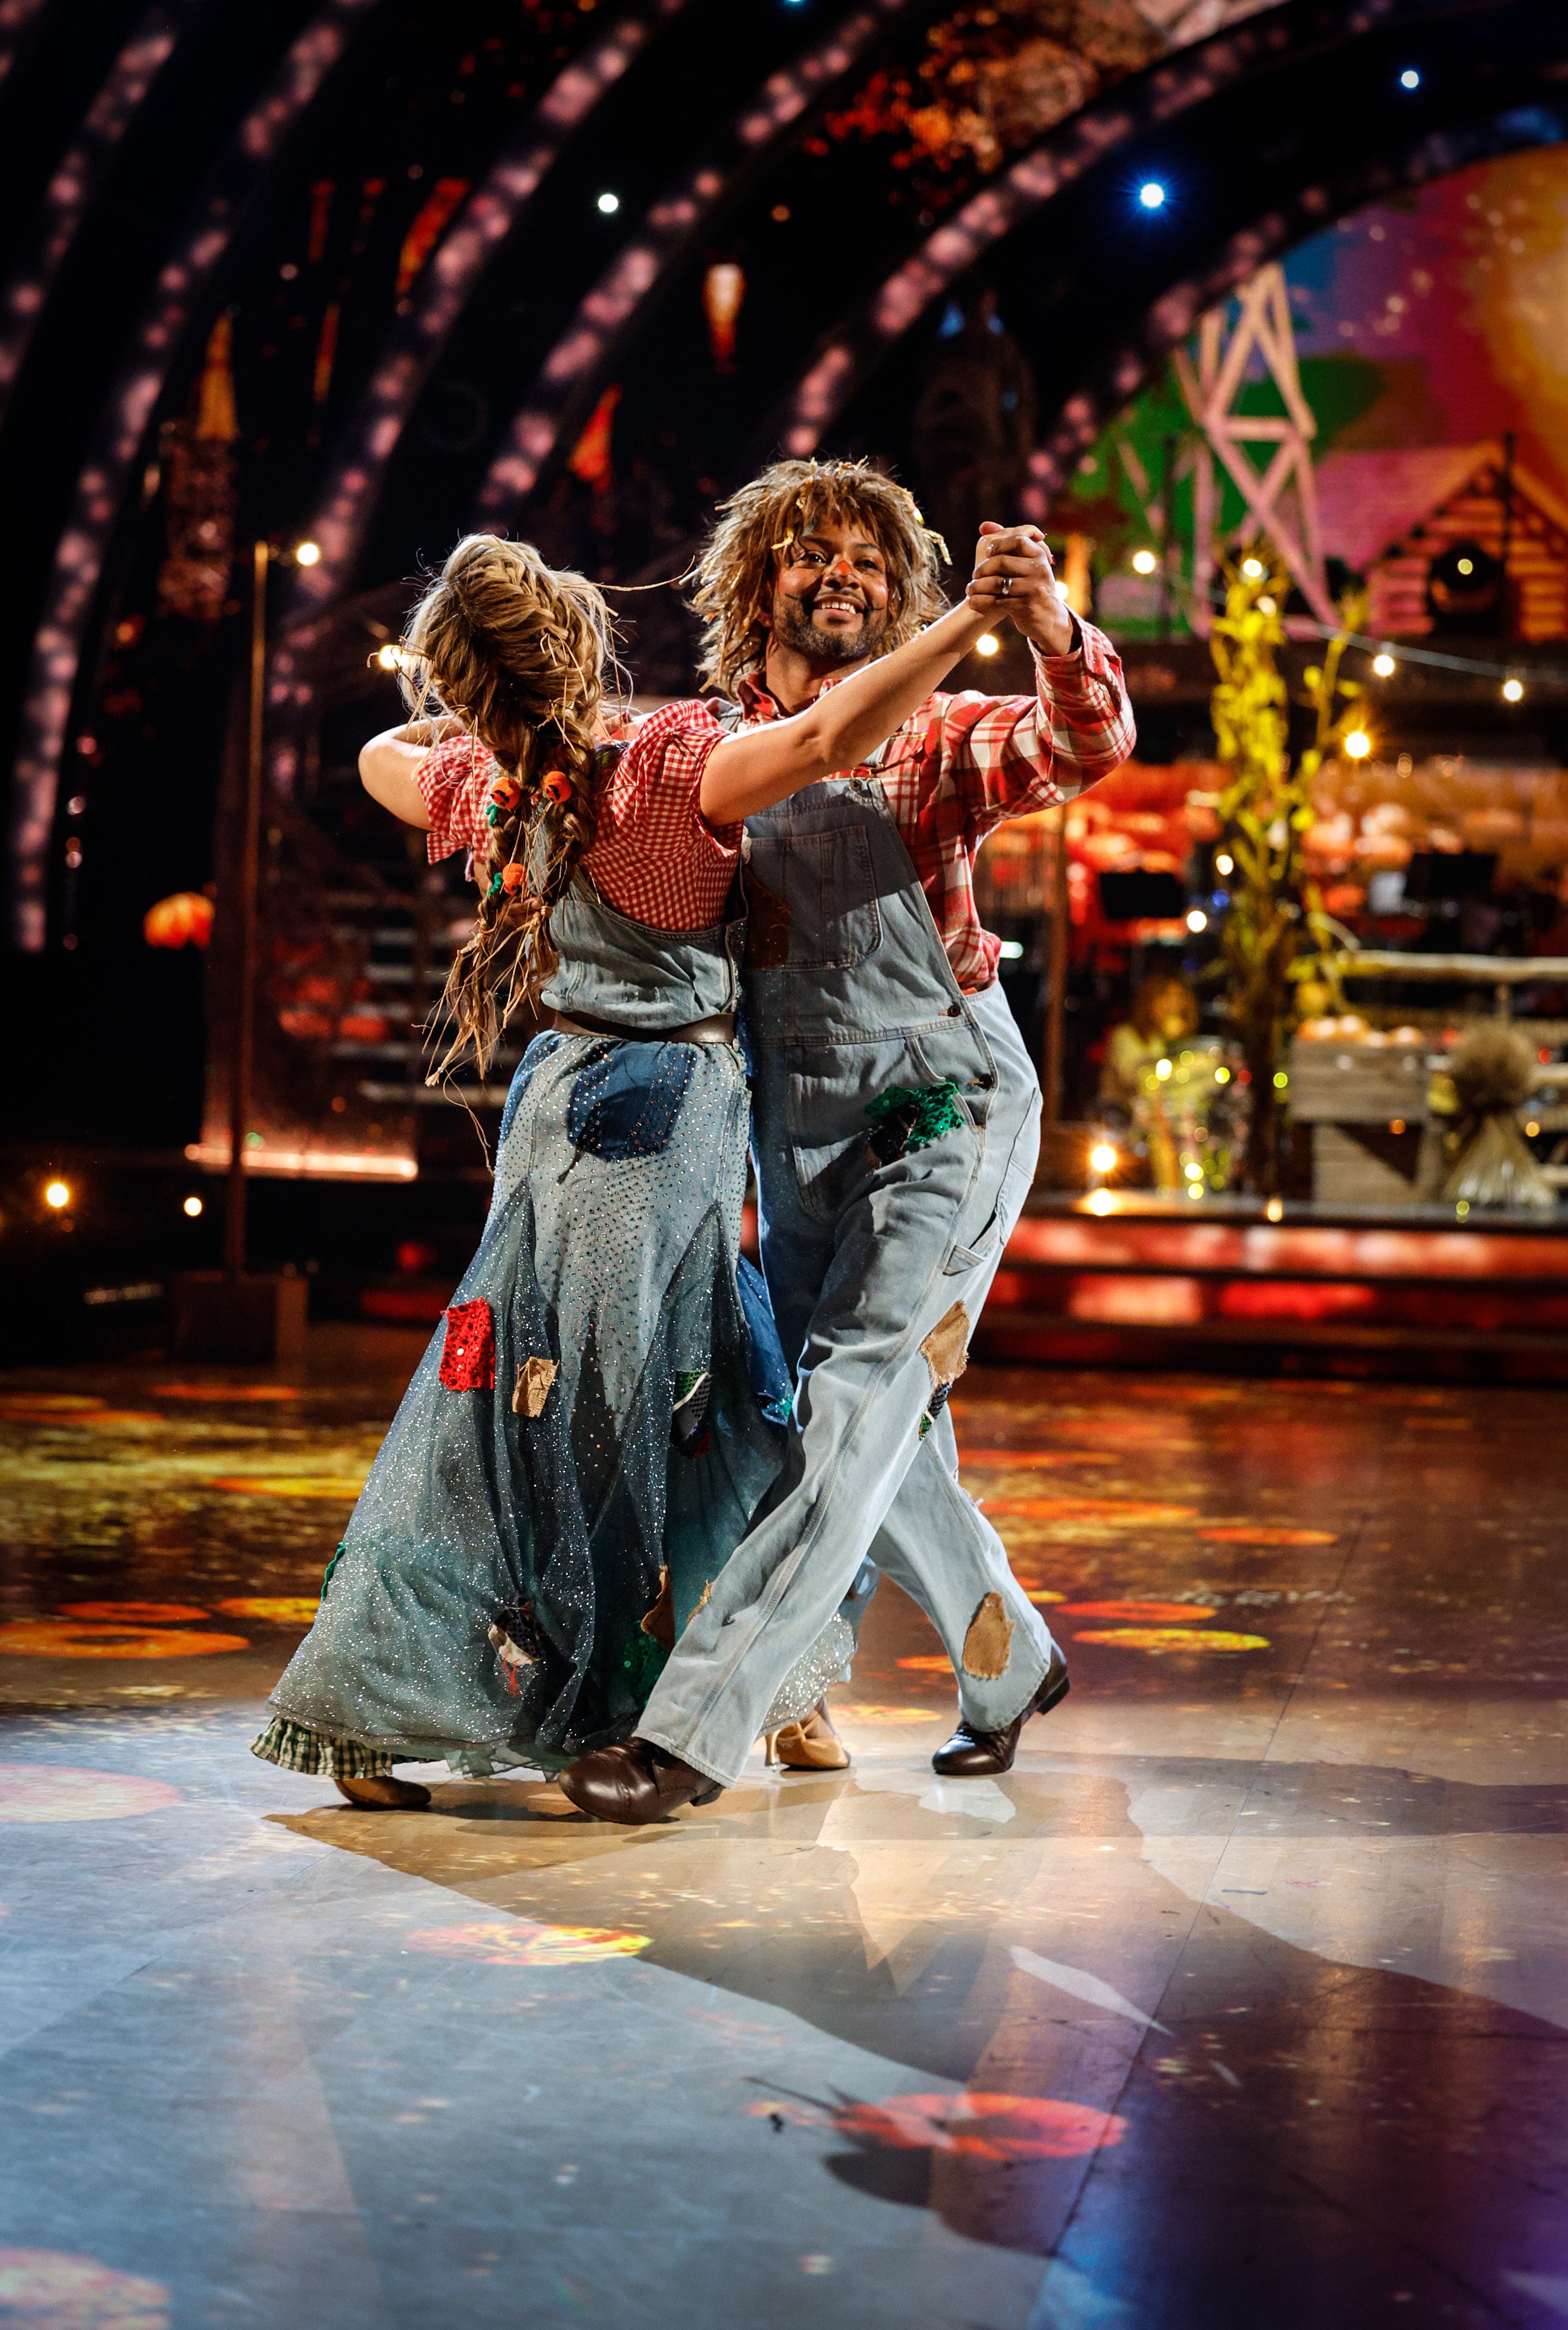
655	857
962	763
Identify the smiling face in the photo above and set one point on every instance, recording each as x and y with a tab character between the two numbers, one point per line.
830	595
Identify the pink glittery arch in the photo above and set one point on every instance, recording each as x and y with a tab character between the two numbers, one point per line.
75	183
491	214
660	248
78	555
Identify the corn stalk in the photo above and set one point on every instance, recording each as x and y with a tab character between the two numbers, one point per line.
1275	934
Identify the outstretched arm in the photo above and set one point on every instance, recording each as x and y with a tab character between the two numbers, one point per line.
389	762
767	763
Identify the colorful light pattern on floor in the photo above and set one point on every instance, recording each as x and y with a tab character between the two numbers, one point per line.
63	1792
1174	1638
519	1943
1256	1533
82	1638
273	1609
1139	1614
237	1393
999	2129
333	1486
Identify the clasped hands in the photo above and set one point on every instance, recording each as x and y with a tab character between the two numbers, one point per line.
1013	577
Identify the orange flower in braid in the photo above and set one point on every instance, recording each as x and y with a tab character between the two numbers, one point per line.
517	651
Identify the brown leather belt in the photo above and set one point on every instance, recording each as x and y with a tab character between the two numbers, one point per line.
719	1028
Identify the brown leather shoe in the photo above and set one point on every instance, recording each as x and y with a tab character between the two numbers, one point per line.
633	1782
973	1754
381	1793
811	1745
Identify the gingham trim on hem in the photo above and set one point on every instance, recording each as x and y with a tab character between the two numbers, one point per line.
295	1750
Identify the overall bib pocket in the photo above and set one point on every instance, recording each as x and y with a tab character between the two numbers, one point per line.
812	901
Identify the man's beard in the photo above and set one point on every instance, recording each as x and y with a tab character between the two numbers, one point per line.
794	629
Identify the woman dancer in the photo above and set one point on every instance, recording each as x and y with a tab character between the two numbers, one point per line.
583	1443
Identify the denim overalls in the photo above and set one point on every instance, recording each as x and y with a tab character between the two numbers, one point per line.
877	1261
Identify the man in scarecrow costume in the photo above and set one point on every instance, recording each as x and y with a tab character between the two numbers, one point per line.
895	1110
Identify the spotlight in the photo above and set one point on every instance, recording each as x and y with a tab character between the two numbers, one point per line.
1151	195
1513	691
192	1207
1100	1201
608	204
57	1194
1274	1211
1409	78
1193	1169
306	553
387	657
1102	1157
1358	743
987	643
1162	1069
1197	920
1384	665
1144	561
1253	568
1225	863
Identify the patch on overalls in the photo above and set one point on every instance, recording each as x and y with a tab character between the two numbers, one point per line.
910	1117
516	1646
947	1355
767	925
468	1353
988	1643
534	1378
626	1101
659	1623
689	1423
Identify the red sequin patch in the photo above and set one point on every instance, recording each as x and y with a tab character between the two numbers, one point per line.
468	1354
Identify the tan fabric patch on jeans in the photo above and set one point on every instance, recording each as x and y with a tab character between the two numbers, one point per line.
947	1347
989	1640
534	1378
659	1625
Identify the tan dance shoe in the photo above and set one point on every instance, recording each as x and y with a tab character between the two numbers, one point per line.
811	1745
383	1793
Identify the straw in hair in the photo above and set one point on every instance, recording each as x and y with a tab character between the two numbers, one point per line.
515	651
758	527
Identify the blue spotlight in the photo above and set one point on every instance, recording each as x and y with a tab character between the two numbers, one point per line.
1151	195
1409	78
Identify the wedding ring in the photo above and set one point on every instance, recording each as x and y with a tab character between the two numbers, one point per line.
1006	585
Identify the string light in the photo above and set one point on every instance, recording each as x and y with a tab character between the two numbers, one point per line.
987	644
1225	863
1384	665
1274	1211
1409	78
1358	743
608	204
1144	561
192	1207
1513	691
1197	920
1102	1157
308	553
57	1194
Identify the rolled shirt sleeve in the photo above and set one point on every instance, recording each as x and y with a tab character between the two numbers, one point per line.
454	781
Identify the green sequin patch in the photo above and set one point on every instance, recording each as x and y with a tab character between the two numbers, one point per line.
643	1664
908	1118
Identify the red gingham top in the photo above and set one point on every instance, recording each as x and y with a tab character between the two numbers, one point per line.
655	857
955	769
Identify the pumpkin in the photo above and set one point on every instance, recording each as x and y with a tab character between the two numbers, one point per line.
184	920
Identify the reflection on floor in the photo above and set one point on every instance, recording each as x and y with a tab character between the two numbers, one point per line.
1241	2001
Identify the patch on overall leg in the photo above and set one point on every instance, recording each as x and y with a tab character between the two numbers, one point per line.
468	1353
689	1422
947	1355
767	924
659	1623
989	1640
534	1378
516	1645
910	1117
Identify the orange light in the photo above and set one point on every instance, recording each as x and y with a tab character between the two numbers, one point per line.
1102	1157
57	1194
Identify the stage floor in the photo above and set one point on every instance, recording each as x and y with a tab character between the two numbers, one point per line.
1241	2001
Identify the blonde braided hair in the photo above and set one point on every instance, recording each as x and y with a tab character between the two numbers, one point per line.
515	651
733	592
